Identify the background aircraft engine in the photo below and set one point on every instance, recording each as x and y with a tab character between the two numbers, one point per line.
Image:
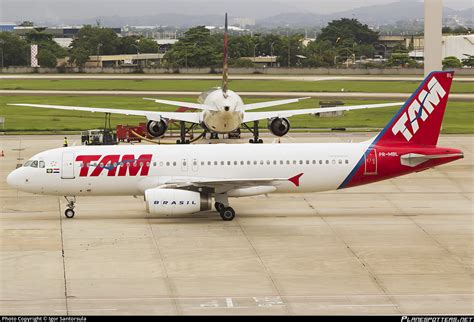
279	126
157	128
169	202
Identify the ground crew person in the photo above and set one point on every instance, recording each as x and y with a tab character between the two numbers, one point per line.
65	142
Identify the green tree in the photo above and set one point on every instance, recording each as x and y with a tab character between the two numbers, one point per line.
197	48
241	62
47	59
147	45
15	50
79	57
91	40
468	61
291	44
128	45
401	60
240	46
348	31
320	54
451	62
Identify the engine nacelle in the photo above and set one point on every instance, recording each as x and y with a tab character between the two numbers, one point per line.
279	126
169	202
157	128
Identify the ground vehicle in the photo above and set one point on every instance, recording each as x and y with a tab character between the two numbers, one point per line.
98	137
127	133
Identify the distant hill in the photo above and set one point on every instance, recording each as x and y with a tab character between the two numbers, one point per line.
165	19
377	14
405	10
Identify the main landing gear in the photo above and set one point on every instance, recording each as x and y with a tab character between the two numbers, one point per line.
222	206
254	131
69	212
227	213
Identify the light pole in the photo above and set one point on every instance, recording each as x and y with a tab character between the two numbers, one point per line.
98	48
271	53
134	45
254	49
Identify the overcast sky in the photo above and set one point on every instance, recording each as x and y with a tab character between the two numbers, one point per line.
40	10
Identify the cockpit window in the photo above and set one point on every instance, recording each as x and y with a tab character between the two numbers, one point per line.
27	163
34	164
41	164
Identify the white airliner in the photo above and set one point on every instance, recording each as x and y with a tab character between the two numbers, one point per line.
186	179
220	111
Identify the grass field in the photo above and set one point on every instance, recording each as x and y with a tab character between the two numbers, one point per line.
236	85
459	116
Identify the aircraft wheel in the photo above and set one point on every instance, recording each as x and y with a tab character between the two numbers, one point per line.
251	141
218	206
227	213
69	213
187	142
260	141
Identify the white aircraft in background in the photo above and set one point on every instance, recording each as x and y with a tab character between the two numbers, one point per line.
221	111
186	179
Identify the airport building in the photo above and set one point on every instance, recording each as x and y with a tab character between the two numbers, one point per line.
127	60
452	45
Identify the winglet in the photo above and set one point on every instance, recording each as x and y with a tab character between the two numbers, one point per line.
296	179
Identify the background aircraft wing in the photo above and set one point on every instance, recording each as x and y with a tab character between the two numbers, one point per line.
184	104
254	106
254	116
150	115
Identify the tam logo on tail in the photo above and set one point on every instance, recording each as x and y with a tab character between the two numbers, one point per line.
421	108
418	122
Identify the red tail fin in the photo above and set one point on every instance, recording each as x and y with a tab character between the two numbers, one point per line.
419	120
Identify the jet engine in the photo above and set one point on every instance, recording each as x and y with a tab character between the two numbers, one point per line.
168	202
279	126
157	128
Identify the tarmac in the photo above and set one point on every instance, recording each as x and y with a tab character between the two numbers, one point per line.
402	246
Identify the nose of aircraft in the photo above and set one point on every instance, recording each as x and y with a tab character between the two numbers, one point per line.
13	179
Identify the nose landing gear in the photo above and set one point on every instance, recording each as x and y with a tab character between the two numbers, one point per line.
69	212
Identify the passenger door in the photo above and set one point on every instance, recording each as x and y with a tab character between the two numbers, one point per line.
67	166
371	162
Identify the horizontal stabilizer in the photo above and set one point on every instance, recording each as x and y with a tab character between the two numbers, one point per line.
414	159
254	106
184	104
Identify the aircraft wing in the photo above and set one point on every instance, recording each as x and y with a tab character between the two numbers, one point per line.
150	115
254	106
184	104
222	184
254	116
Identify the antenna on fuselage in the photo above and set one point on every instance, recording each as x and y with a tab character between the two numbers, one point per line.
225	74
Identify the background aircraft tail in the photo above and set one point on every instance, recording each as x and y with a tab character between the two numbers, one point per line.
419	120
225	72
